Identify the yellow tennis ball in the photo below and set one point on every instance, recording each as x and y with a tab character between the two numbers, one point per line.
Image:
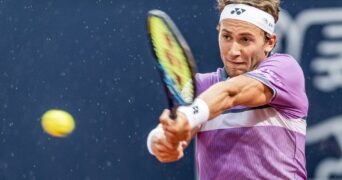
58	123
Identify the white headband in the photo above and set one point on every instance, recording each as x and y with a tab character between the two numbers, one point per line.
249	14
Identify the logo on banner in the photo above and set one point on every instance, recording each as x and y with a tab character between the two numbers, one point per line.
328	65
325	64
328	128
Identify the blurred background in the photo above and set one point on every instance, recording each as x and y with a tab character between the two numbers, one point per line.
92	59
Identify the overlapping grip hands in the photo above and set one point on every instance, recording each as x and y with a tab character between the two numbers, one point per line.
169	145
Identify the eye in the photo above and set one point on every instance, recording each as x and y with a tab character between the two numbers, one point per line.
246	39
226	37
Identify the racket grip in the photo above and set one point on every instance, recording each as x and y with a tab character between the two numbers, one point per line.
173	112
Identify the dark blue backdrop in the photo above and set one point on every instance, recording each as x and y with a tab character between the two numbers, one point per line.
92	59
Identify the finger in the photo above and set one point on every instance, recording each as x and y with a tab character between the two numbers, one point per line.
169	146
181	154
173	156
158	148
173	140
168	155
169	135
165	157
184	144
164	116
164	145
166	124
169	127
167	160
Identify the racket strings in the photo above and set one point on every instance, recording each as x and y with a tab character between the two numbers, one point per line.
170	54
174	62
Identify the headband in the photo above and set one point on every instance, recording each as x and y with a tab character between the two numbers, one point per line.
250	14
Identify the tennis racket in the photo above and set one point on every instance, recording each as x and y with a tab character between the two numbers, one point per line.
174	60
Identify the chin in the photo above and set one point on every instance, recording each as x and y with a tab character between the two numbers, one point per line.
234	73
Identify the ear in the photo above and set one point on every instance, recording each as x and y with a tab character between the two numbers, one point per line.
271	43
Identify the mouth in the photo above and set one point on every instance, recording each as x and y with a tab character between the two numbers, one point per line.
235	63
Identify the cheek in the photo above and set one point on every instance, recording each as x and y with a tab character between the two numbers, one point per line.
256	56
252	55
223	47
220	44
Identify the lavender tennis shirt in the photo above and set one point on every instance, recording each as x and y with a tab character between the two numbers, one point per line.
266	142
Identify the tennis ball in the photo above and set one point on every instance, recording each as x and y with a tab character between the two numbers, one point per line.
58	123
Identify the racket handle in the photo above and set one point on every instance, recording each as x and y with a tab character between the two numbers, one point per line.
173	112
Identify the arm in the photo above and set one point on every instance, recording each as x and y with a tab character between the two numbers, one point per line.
241	90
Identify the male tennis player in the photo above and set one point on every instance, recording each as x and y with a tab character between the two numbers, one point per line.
249	117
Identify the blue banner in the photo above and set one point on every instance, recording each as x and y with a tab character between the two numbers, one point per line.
313	34
92	59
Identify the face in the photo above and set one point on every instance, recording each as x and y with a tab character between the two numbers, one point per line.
242	46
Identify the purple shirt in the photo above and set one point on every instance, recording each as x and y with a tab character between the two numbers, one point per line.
265	142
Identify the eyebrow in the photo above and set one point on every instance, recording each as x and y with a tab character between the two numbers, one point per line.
240	34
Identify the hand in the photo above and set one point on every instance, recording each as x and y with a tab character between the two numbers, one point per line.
165	151
176	130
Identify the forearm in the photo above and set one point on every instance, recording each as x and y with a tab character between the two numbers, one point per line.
214	101
240	90
219	98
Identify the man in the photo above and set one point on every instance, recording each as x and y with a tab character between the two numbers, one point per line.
250	122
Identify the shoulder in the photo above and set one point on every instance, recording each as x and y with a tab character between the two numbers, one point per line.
280	60
283	74
205	80
216	75
281	67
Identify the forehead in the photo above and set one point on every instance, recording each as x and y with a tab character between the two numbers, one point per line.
240	27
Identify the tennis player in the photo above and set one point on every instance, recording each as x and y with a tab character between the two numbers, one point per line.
249	117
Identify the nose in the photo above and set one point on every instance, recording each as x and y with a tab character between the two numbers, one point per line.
235	49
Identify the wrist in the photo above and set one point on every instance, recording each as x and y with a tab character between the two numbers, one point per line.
197	113
155	133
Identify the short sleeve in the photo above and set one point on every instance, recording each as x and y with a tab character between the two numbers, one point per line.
205	80
284	76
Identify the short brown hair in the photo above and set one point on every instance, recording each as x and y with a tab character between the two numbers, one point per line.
269	6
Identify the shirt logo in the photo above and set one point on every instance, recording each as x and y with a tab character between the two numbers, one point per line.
238	11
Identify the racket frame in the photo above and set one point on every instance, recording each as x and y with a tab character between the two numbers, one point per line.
171	26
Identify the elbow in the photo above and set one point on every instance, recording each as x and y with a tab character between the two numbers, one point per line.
229	96
229	102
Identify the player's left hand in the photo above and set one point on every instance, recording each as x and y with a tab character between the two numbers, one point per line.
165	152
176	130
